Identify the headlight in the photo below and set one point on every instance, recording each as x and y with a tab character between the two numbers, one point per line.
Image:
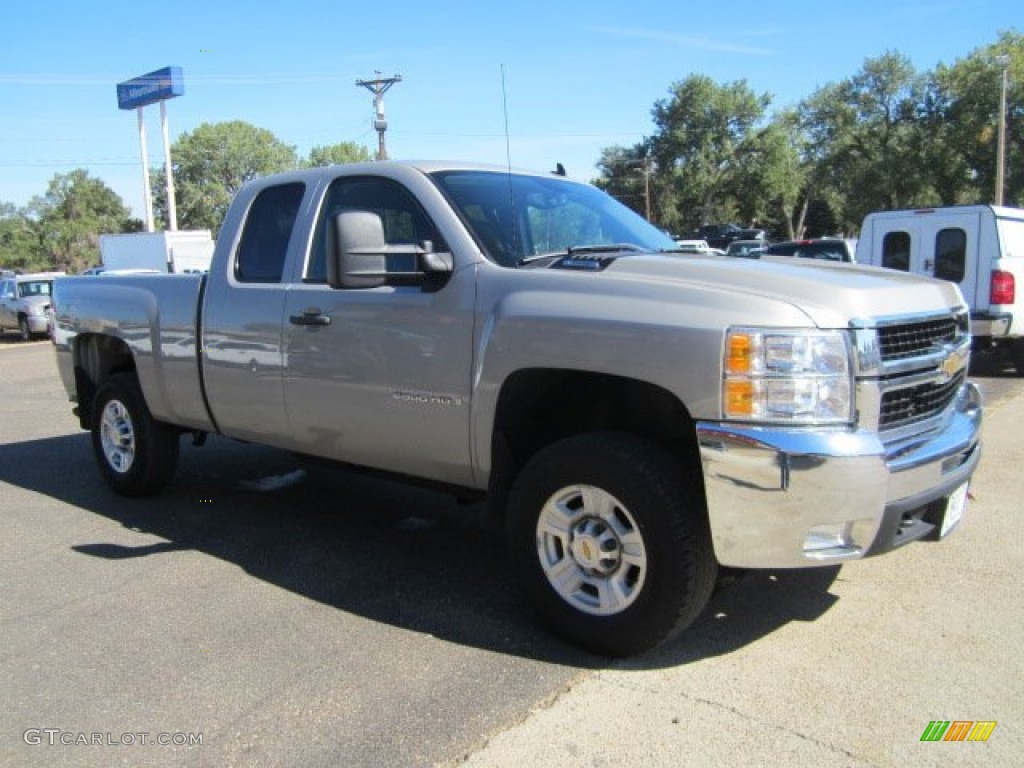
799	376
37	309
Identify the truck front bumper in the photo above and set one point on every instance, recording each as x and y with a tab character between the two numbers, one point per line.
793	498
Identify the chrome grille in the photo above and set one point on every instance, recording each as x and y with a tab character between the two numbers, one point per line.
910	405
900	342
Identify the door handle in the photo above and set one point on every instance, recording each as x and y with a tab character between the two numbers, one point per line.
312	316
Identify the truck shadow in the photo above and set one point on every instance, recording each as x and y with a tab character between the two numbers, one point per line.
404	556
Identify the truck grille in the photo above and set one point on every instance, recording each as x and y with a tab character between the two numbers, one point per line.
910	405
900	342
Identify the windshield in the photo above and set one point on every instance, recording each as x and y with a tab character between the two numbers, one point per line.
34	288
514	217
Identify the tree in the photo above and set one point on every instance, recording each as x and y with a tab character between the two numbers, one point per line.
20	243
770	178
703	130
210	165
71	216
338	154
964	114
623	171
873	128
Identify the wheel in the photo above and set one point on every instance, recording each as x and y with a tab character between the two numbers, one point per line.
611	542
24	330
137	455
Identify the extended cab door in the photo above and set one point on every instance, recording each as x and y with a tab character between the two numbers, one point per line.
243	311
380	376
936	243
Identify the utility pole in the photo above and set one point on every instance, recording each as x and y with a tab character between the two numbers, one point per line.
378	86
1001	145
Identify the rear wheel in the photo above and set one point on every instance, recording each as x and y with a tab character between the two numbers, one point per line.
611	542
137	454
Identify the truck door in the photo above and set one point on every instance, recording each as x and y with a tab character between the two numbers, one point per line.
242	317
934	243
380	377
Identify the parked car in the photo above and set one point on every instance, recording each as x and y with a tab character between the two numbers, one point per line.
748	249
693	246
825	248
718	235
24	303
753	234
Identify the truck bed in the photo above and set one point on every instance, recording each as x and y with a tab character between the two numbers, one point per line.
156	317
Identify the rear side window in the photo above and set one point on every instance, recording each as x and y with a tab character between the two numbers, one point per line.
951	254
268	228
896	251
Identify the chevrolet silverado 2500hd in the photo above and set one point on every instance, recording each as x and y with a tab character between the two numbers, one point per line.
635	417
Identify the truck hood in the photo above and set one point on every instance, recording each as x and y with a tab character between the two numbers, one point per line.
830	294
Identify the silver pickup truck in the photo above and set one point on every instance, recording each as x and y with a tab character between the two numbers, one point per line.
635	417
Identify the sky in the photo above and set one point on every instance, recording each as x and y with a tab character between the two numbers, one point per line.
567	77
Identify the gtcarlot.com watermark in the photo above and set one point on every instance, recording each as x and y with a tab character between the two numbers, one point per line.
58	737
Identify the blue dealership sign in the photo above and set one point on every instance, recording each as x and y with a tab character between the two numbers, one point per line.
163	84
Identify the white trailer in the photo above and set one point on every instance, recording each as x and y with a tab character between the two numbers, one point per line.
978	247
178	251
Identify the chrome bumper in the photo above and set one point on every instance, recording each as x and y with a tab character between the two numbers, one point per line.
791	498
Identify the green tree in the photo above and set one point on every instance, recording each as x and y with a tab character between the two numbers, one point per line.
76	209
771	177
871	128
703	131
625	174
964	118
210	165
338	154
20	243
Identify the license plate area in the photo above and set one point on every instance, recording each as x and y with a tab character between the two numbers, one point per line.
955	506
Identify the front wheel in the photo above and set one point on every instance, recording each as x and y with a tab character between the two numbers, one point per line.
611	542
137	454
24	330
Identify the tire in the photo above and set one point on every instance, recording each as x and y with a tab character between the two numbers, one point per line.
611	542
24	330
137	455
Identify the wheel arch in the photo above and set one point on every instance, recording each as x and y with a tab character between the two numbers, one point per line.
96	357
537	407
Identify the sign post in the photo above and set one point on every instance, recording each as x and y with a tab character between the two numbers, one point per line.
135	94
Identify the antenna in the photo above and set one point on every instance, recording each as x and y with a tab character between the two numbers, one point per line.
508	166
504	107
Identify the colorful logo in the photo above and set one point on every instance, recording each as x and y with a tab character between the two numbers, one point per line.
958	730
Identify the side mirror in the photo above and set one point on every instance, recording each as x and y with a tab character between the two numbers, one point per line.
362	258
358	258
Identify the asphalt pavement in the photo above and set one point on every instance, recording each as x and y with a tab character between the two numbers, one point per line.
264	612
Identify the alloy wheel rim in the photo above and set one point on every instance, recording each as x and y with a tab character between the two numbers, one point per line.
591	550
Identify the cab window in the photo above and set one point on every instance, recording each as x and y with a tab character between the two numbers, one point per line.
896	251
268	228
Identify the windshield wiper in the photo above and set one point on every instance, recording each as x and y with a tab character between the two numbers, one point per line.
580	250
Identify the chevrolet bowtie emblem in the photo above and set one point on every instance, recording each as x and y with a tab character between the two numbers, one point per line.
952	365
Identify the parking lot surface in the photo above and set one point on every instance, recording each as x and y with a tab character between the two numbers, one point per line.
263	612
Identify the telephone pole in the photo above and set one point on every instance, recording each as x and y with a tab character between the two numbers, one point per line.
378	86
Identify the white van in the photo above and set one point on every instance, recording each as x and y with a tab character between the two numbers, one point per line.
979	247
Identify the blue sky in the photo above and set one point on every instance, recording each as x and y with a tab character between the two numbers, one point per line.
579	75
